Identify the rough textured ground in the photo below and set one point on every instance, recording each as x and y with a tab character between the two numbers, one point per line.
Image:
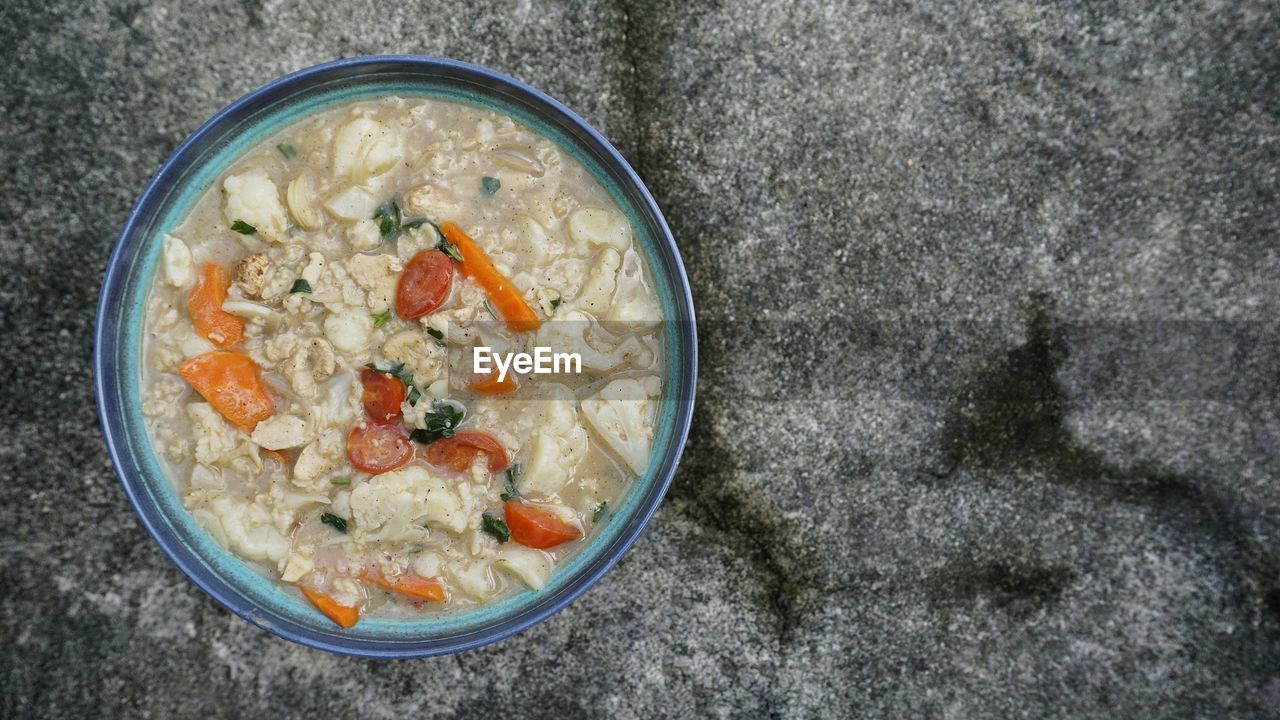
988	414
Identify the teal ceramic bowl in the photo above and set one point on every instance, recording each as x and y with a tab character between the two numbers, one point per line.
118	341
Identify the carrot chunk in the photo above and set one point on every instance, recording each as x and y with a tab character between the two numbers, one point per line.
231	384
489	384
506	299
413	586
343	615
205	305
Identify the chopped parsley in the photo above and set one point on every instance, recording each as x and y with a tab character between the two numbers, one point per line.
381	319
243	228
300	285
509	491
414	395
490	185
339	481
334	522
443	419
495	527
556	302
287	150
602	511
435	333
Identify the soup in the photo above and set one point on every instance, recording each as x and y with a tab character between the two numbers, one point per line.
404	357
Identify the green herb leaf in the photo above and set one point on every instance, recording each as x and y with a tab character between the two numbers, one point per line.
392	222
435	333
556	303
451	250
495	527
339	481
288	151
601	511
388	217
490	185
509	491
334	522
243	228
381	319
443	419
300	285
395	370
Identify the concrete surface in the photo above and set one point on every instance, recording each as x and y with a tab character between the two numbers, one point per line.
988	415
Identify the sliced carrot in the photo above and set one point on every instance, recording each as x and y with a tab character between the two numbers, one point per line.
489	384
278	455
205	305
506	299
232	385
344	615
418	588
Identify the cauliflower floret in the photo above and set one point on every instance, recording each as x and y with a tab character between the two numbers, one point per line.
352	204
596	226
312	362
365	235
473	579
420	353
248	529
319	457
532	567
558	445
280	432
177	261
316	264
526	237
253	198
390	507
376	274
216	440
633	305
349	330
571	333
251	273
427	564
416	240
430	201
622	415
364	148
598	289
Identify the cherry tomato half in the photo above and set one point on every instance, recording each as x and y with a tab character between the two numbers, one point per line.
424	284
378	448
455	453
382	396
537	527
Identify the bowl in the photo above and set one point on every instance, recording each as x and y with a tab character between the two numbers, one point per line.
117	355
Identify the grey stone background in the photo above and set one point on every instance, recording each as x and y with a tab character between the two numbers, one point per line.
987	424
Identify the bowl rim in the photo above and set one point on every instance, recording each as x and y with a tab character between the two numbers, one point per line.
110	411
